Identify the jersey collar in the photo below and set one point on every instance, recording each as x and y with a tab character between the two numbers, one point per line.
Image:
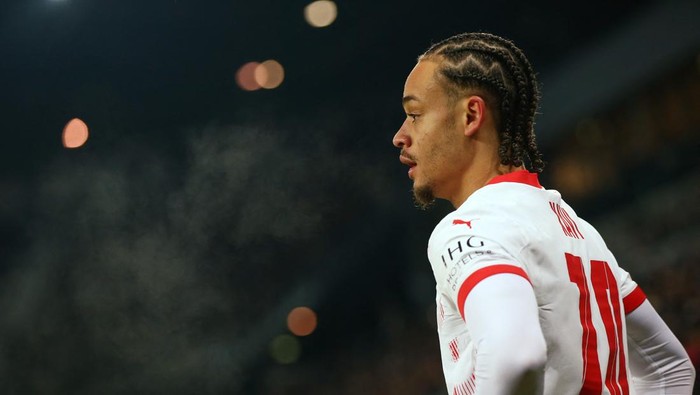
520	176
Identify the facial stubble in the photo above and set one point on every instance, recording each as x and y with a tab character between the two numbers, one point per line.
423	196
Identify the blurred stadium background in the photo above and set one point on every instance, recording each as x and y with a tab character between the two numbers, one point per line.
227	214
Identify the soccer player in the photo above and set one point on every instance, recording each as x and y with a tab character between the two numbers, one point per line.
523	284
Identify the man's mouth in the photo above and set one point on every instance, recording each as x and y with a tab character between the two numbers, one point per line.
410	163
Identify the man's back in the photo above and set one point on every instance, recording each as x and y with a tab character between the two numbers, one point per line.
514	226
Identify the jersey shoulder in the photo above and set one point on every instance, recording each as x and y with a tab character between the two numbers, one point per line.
588	230
493	213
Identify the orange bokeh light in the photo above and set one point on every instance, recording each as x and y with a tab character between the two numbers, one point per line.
302	321
75	133
245	76
269	74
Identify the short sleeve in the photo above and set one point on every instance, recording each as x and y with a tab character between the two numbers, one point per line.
462	256
632	294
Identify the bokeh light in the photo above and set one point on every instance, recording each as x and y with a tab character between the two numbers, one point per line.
321	13
75	133
245	76
302	321
269	74
285	349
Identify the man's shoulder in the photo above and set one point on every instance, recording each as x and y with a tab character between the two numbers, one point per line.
504	213
483	219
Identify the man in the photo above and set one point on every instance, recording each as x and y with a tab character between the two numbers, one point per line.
523	284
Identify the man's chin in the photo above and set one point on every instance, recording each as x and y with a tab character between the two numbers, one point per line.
423	196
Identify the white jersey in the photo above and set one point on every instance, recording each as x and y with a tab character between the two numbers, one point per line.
513	225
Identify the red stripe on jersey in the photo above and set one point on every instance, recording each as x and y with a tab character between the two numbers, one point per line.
465	388
471	384
454	350
634	300
481	274
520	176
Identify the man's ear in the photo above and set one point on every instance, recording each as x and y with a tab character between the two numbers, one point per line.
475	109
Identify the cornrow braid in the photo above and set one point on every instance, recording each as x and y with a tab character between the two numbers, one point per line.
500	71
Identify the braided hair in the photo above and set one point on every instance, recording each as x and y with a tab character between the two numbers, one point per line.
502	75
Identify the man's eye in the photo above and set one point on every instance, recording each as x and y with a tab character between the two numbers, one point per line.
412	116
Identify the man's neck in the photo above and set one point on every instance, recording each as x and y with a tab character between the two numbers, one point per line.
479	178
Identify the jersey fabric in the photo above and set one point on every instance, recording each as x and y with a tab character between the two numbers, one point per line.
513	225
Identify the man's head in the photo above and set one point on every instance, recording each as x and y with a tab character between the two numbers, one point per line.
470	101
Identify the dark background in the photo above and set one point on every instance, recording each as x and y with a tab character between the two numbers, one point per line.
164	255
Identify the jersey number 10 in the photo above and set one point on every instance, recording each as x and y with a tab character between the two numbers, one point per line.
606	297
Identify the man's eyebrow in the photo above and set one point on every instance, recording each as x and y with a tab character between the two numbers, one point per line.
409	98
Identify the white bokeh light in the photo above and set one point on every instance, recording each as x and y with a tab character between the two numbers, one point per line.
321	13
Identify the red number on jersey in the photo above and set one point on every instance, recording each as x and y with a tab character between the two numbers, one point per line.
608	301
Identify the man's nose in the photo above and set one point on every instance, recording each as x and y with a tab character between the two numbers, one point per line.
401	139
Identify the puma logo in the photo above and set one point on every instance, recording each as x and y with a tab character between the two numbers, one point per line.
461	222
